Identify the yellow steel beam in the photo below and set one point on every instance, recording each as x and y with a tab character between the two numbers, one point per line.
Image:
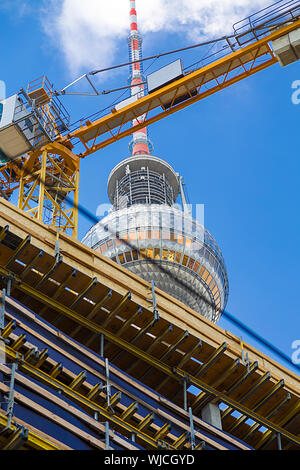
143	331
81	294
43	355
189	354
42	185
116	277
18	343
94	391
18	250
60	288
25	203
287	417
80	399
110	316
163	431
31	264
56	263
214	356
147	421
16	439
56	369
172	347
34	440
8	329
270	413
28	355
78	381
200	446
129	321
130	411
100	304
113	313
242	418
181	440
115	399
152	346
75	202
262	380
196	403
3	232
91	314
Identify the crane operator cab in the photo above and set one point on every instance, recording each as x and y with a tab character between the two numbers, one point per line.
30	119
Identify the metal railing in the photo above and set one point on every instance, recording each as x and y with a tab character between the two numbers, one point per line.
258	24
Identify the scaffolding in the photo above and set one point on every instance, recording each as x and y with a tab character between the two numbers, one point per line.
258	399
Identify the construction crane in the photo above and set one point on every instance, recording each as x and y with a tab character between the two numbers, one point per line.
37	149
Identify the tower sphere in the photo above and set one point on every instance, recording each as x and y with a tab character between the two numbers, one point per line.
151	236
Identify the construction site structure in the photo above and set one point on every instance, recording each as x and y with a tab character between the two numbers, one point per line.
93	356
91	359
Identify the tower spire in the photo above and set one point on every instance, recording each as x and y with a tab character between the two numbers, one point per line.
140	144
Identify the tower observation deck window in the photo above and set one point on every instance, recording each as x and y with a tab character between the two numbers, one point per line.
144	186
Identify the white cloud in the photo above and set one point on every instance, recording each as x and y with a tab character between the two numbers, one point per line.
88	32
18	8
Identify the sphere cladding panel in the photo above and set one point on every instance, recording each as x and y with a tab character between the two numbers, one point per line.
180	243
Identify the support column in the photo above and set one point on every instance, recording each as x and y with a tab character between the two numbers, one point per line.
42	186
212	415
102	337
107	446
2	341
76	202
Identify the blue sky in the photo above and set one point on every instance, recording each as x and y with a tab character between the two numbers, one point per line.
237	150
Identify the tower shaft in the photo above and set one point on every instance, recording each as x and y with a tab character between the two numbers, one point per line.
140	143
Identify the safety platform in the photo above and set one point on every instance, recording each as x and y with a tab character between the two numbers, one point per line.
30	119
40	91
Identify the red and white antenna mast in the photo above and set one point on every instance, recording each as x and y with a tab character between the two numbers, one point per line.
140	143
